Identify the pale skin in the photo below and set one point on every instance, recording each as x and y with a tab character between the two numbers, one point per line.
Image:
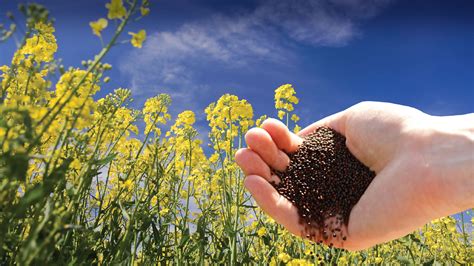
424	166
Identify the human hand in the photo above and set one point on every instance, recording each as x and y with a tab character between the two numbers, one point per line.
424	167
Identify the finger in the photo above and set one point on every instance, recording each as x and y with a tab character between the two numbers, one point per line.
262	143
274	204
335	121
283	138
252	164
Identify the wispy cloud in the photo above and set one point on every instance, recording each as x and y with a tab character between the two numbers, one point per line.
176	62
173	59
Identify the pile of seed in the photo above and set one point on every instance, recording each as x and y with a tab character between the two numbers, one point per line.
324	181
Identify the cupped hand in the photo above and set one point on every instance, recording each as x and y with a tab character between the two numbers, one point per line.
390	139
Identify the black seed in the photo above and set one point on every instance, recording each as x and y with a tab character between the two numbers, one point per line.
324	180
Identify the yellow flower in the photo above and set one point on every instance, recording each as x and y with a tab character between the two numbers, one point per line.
378	260
144	11
4	68
299	262
295	118
75	165
451	225
262	231
296	129
228	117
284	257
98	26
260	120
128	184
76	96
138	38
156	112
100	258
281	114
214	157
270	220
164	211
182	127
107	66
273	262
116	9
342	260
285	97
186	118
154	201
41	45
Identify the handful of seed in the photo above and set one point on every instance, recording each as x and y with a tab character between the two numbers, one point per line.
324	181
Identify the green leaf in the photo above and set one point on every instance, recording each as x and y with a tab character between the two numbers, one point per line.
185	238
403	260
31	197
107	159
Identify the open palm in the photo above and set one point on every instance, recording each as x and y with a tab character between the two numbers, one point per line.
388	139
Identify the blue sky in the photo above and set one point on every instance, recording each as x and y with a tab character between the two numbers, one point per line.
335	52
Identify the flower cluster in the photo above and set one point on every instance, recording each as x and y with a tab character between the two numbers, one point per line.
228	118
41	46
285	100
156	112
24	83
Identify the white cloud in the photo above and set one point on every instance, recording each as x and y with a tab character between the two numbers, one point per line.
320	23
174	62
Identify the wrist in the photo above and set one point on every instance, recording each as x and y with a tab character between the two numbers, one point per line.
448	150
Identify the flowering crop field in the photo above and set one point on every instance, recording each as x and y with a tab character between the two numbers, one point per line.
82	183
